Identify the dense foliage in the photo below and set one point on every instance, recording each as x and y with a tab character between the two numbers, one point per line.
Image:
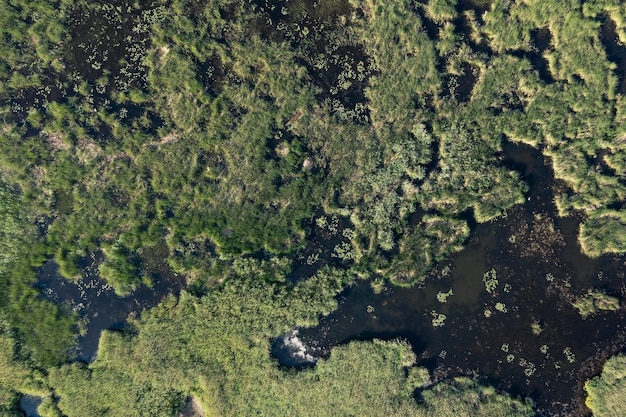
228	124
228	129
216	349
262	118
605	393
45	328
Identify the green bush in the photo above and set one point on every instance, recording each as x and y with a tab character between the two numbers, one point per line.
605	393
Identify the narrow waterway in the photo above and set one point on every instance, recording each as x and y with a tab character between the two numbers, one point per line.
502	308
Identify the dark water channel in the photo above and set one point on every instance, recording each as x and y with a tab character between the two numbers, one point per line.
615	50
524	336
96	302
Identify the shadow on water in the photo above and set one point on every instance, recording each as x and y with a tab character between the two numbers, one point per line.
616	52
461	86
523	335
541	43
95	301
478	6
469	19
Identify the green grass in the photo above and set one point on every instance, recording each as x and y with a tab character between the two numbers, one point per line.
16	375
604	232
43	327
221	132
244	95
605	393
595	301
430	241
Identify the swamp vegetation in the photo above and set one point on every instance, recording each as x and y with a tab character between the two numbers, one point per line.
217	173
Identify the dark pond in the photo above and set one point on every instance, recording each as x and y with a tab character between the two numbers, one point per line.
541	43
462	85
540	38
96	302
326	235
524	336
29	404
466	24
479	6
107	40
616	52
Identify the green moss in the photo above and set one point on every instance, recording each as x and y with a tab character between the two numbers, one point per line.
44	328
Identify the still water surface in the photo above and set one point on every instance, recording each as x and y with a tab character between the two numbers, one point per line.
29	405
524	336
